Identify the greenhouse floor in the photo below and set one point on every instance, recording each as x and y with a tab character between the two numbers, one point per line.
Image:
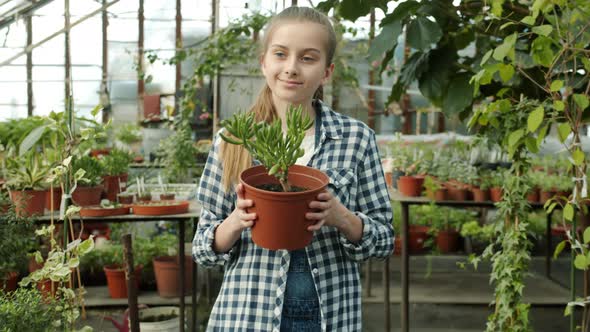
443	297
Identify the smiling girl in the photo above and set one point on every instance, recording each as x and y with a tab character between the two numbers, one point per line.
317	288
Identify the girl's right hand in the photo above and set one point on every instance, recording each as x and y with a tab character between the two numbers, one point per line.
239	219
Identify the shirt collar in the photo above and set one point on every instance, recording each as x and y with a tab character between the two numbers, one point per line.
331	125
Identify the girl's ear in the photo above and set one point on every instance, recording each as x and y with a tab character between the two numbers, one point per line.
328	73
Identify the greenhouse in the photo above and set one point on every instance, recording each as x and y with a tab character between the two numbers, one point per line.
319	165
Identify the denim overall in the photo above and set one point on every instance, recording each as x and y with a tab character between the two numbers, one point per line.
301	308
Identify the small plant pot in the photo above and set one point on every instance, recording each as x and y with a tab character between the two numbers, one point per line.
8	282
496	194
156	209
167	272
113	185
87	196
410	185
418	235
125	198
99	152
159	319
447	241
395	176
167	197
533	196
28	202
389	179
457	194
480	195
56	203
439	195
144	198
116	280
281	222
546	195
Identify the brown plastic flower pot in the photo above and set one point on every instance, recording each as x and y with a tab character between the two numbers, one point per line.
546	195
116	280
167	271
418	235
28	202
447	241
457	194
533	196
410	185
114	184
8	282
480	195
281	222
496	194
87	196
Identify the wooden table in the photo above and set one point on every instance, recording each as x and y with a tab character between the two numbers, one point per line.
191	215
405	202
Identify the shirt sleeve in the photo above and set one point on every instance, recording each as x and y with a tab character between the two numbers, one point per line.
374	210
216	205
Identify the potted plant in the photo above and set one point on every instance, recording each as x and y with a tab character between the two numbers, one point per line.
179	154
116	166
15	233
536	178
434	188
27	310
548	187
281	191
409	184
443	227
496	181
26	179
125	197
129	137
112	259
162	251
476	236
89	189
481	187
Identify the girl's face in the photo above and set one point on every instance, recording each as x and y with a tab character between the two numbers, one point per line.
295	63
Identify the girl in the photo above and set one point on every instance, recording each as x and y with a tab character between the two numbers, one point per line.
317	288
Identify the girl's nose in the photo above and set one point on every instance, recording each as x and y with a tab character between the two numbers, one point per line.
291	67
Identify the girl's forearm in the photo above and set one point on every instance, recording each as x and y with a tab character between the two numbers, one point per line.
225	237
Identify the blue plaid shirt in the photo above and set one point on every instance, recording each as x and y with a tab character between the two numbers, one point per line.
251	295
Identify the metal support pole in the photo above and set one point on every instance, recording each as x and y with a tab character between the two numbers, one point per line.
140	82
195	285
215	79
573	278
371	92
549	245
131	283
68	64
178	45
29	23
105	100
182	270
405	268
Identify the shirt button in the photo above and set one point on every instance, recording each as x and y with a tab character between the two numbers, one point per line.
314	271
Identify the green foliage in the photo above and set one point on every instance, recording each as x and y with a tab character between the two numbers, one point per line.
27	310
27	172
129	133
179	155
266	142
477	232
16	233
93	170
116	162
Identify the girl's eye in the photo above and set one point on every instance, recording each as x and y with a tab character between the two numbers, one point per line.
279	54
307	59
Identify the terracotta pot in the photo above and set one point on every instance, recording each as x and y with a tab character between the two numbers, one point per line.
125	199
418	235
439	195
56	203
99	152
144	198
281	222
545	195
116	280
98	211
480	195
167	271
151	107
410	185
87	196
389	179
457	194
447	241
114	184
28	202
160	210
8	283
533	196
167	197
496	194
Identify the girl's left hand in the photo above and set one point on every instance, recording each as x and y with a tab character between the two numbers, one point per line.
327	211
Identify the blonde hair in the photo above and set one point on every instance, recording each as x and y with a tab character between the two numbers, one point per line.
235	158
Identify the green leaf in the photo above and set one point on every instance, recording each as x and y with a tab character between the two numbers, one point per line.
95	110
543	30
542	51
531	144
32	138
505	25
486	57
422	33
586	63
535	119
580	262
558	105
587	235
386	40
581	101
559	248
556	85
551	206
578	157
542	134
506	48
458	95
563	131
514	137
85	247
402	11
568	309
506	72
274	169
528	20
353	9
568	212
